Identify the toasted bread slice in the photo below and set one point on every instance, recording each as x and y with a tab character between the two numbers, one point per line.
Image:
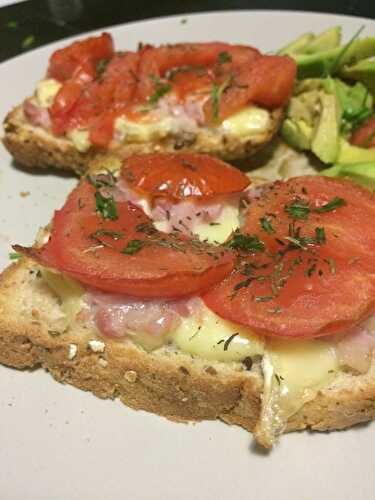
34	147
166	382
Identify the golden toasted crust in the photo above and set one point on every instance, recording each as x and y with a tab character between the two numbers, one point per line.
164	382
34	147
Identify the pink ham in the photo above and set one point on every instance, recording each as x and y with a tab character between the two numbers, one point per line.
116	315
355	349
37	116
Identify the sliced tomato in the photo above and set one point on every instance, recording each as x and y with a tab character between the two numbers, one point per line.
314	276
64	62
89	248
182	175
365	136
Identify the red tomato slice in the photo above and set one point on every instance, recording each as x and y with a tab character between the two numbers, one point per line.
365	136
64	62
89	248
182	175
297	287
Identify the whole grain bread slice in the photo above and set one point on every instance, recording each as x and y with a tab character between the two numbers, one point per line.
166	382
33	146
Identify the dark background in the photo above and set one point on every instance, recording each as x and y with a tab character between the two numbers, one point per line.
30	24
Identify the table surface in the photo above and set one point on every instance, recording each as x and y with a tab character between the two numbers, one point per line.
29	24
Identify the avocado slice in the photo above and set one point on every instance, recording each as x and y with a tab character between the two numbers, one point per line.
329	39
363	71
297	46
354	154
296	133
363	173
321	64
326	140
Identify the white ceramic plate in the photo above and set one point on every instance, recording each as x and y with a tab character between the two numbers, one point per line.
58	443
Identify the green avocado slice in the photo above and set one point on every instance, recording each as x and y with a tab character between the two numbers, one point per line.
354	154
326	140
363	71
363	173
327	40
297	46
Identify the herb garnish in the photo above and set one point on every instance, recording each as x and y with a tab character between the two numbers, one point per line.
106	206
331	205
133	247
216	92
115	235
247	242
224	57
298	209
320	235
266	225
229	340
14	255
28	41
161	88
101	67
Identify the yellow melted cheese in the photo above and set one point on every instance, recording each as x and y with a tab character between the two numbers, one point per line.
294	372
222	228
208	336
46	91
247	123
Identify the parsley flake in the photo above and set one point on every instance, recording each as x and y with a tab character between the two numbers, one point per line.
298	209
331	205
14	255
247	242
161	89
266	225
106	206
224	57
133	247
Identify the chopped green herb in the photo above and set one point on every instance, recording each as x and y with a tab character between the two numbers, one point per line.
101	67
331	205
14	255
103	232
28	41
242	284
12	25
146	228
229	340
216	92
247	242
133	247
301	242
161	89
102	180
298	209
224	57
320	235
336	63
266	225
106	206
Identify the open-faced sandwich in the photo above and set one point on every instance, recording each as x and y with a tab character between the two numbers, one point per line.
180	286
217	98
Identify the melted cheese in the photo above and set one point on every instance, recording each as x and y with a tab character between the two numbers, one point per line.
248	122
207	335
222	228
80	139
131	131
294	372
68	291
46	91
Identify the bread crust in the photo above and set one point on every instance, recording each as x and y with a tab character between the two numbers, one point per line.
33	147
165	382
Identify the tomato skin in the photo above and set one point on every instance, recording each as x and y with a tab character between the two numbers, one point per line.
364	137
155	270
330	291
64	62
182	175
86	99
